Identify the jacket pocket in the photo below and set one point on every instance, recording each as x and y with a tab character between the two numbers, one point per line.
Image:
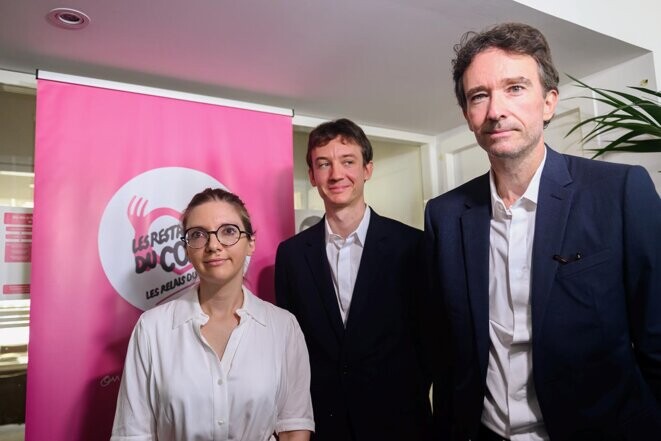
586	262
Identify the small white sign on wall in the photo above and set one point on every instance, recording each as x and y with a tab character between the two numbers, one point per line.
16	248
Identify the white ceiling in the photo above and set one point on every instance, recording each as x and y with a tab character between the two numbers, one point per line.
385	63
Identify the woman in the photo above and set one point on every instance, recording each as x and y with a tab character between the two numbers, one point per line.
217	363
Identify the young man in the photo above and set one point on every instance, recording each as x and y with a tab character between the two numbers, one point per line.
545	271
353	280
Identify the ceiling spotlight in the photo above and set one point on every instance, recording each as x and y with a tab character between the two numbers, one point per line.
67	18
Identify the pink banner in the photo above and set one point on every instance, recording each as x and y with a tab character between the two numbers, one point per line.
113	171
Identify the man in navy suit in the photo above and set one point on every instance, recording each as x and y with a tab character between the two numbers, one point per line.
545	272
352	281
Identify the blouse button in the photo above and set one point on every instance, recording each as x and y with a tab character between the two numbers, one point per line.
220	382
221	422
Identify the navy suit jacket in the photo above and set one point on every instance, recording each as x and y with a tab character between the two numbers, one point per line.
367	381
596	321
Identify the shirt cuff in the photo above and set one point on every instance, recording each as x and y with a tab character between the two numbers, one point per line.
294	424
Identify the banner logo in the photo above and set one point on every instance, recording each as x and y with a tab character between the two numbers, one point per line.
139	240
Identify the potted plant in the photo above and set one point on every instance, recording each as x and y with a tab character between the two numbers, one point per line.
634	121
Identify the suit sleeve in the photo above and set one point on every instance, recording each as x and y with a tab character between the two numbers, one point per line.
418	298
642	269
437	344
282	289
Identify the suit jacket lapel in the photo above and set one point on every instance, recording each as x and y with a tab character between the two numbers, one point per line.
553	204
374	252
317	260
475	238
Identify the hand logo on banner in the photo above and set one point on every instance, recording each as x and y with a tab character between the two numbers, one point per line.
140	244
146	257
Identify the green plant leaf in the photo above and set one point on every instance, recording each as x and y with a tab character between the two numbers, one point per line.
637	117
609	99
645	90
637	128
642	146
615	145
650	107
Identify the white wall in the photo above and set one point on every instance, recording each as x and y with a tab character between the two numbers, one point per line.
635	22
395	189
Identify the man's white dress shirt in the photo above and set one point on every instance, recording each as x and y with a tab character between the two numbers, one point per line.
174	387
344	258
511	408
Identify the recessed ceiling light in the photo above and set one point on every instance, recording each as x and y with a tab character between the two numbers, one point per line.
67	18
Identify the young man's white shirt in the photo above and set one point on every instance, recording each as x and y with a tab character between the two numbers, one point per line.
344	256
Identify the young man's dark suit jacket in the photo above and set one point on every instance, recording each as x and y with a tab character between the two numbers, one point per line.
596	321
367	381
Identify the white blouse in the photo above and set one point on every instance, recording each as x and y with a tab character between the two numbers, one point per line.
174	387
